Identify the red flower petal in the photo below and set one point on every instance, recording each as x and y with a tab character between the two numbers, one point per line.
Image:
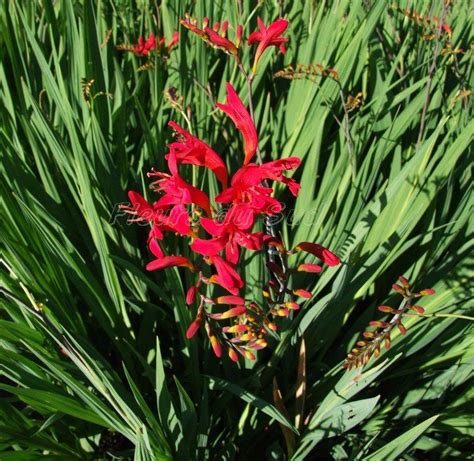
209	247
192	151
227	277
270	36
169	261
236	110
141	206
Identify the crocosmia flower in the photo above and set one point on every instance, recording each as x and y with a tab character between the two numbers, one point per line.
268	36
215	36
217	227
236	110
143	48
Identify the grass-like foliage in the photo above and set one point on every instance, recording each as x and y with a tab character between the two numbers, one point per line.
373	97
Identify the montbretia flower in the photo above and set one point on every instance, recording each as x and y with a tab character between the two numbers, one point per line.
236	110
163	219
227	277
217	227
232	233
176	190
268	36
143	48
215	36
172	43
190	150
150	45
246	186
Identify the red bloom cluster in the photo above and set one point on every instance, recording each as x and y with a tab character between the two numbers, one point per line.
216	36
218	227
151	44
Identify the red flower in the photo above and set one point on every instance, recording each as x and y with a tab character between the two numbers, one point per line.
143	48
176	190
215	36
163	219
236	110
173	42
268	37
230	234
191	150
227	277
320	252
245	186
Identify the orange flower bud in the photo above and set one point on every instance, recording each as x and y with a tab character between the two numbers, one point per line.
404	281
258	344
230	300
377	323
281	312
216	345
315	268
398	289
193	328
302	293
368	334
385	309
191	295
271	326
418	309
249	355
426	292
387	342
233	355
377	351
238	328
292	305
402	328
234	312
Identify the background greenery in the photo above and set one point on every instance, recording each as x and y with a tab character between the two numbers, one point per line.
94	363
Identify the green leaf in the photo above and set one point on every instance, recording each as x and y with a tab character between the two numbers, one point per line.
401	444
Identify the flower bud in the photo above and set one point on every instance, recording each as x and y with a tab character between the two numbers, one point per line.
193	328
302	293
